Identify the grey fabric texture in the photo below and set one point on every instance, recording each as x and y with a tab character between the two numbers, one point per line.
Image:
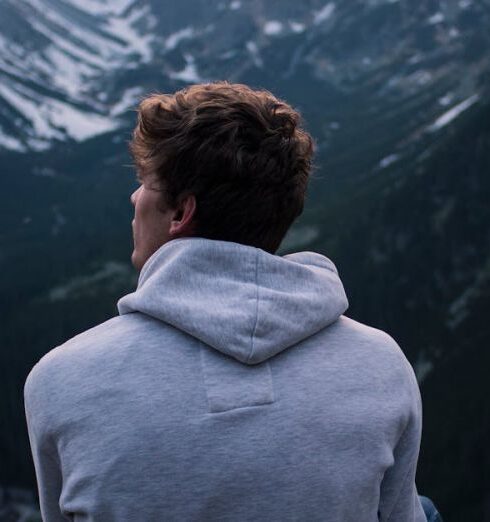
230	387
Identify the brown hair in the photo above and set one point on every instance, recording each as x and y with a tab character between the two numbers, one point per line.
240	151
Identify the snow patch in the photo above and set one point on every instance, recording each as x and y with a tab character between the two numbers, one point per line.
48	116
109	44
297	27
446	99
189	73
98	8
324	14
31	112
11	143
173	40
66	72
112	36
128	100
74	51
122	28
272	28
436	18
416	58
253	49
420	77
38	144
78	124
453	113
454	32
388	160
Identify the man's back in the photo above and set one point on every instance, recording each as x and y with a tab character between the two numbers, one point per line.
232	388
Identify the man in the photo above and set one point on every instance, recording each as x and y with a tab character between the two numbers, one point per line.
230	386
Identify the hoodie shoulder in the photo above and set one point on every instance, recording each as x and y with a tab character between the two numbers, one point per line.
50	366
381	349
374	337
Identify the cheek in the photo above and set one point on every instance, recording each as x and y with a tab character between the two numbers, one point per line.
150	221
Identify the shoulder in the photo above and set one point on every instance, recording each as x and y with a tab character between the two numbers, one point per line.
375	341
378	350
377	360
77	353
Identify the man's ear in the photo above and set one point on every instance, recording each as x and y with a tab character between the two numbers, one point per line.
182	220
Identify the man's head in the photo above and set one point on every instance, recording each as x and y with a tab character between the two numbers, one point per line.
219	161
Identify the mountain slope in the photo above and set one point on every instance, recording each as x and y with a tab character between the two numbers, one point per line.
416	262
396	96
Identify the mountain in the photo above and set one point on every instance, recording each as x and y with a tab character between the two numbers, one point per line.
85	63
396	94
417	263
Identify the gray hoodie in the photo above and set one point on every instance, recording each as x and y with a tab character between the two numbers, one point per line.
230	387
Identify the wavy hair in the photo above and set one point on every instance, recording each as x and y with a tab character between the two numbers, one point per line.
241	152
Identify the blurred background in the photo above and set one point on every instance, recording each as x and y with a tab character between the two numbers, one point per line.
396	94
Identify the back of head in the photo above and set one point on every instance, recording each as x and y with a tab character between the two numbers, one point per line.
240	151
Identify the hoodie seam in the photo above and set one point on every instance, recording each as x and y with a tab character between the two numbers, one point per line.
252	348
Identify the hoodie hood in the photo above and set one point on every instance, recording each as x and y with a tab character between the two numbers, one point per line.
241	300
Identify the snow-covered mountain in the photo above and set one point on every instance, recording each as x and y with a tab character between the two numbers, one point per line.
57	62
70	69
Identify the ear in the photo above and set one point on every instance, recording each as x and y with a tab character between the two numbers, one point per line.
182	220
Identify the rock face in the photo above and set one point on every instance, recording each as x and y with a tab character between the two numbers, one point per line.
396	94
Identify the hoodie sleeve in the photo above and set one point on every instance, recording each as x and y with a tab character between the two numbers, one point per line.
399	501
46	462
